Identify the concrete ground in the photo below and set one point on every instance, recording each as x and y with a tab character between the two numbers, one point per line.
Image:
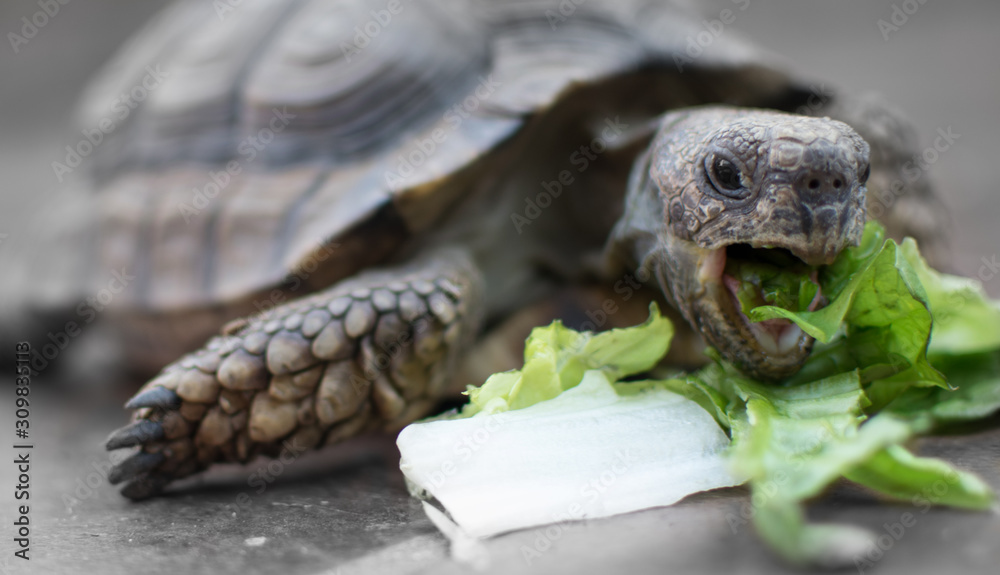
346	511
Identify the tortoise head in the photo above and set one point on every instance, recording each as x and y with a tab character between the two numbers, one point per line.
725	200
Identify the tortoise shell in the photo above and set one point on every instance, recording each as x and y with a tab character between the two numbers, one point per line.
287	141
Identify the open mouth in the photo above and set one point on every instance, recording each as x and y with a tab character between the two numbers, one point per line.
749	277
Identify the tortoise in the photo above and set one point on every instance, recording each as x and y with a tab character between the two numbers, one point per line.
353	197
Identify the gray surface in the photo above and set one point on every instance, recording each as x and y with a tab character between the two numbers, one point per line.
346	511
942	67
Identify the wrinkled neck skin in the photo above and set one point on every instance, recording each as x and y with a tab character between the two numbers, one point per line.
676	267
638	243
766	183
642	245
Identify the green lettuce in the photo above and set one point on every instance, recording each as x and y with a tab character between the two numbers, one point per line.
878	301
556	357
792	442
964	346
772	277
903	350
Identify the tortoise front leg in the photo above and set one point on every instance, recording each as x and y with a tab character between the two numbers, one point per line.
373	352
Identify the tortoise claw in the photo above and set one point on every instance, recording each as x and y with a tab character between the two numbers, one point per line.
145	486
316	379
133	466
137	433
154	397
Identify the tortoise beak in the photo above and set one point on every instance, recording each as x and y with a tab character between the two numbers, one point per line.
784	343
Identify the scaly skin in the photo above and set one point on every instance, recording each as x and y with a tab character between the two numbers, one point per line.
308	372
373	352
801	188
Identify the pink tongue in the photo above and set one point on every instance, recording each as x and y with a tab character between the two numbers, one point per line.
774	327
818	299
731	283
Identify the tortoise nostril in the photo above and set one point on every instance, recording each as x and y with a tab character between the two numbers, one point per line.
837	184
813	184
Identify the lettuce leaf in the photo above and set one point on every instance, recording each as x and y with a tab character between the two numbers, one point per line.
965	320
556	357
897	473
891	324
792	442
585	453
840	282
903	350
774	278
877	298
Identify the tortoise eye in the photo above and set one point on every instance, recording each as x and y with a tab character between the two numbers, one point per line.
727	180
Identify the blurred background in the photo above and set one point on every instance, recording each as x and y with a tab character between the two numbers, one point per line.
941	67
940	64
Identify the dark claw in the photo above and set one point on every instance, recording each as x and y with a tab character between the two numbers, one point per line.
154	397
133	466
140	432
145	486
